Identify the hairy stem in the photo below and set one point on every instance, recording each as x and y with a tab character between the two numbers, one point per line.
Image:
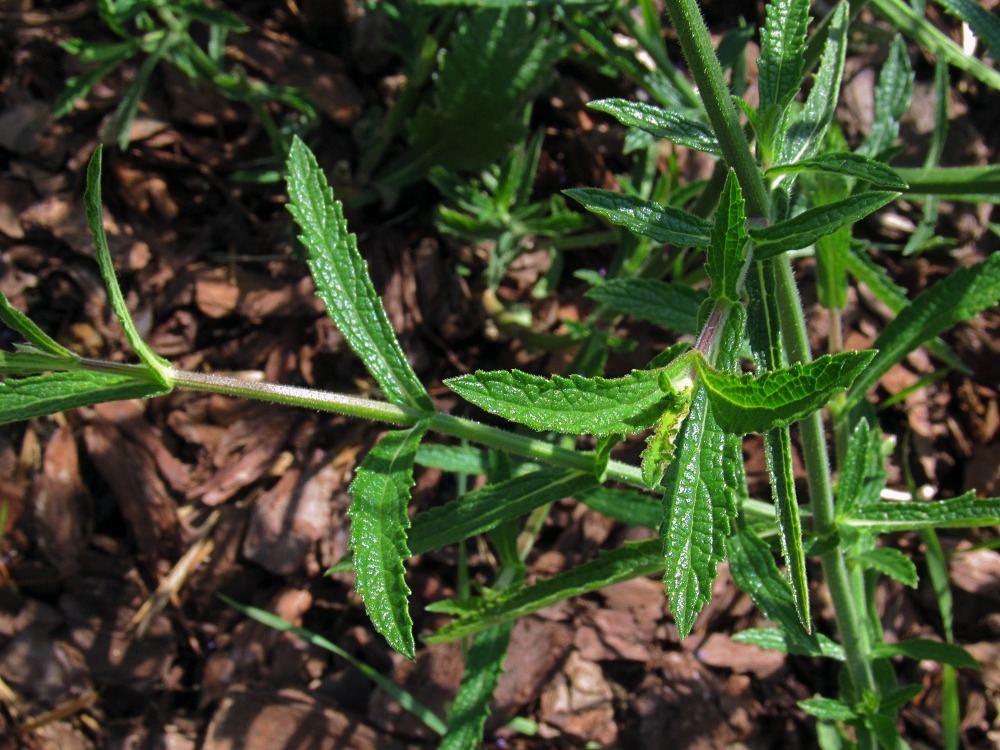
383	411
704	65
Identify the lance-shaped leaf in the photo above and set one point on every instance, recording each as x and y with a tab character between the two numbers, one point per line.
26	398
845	163
697	509
483	667
766	346
380	494
782	44
573	405
18	321
888	561
159	368
752	565
484	509
807	227
660	446
661	123
805	133
748	403
673	306
965	511
646	218
984	24
724	261
892	99
631	560
959	296
342	280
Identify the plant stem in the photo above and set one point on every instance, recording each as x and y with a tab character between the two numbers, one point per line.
382	411
853	632
704	65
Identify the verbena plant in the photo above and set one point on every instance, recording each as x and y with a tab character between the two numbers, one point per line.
789	192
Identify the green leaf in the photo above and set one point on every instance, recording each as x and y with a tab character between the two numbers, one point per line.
158	367
661	123
892	99
631	560
28	361
483	667
491	67
862	473
18	321
805	132
26	398
960	512
380	494
752	566
673	306
748	403
921	648
778	448
807	227
77	87
698	506
627	506
486	508
959	296
983	23
646	218
573	405
891	562
775	639
458	459
725	262
875	277
402	697
828	709
845	163
930	38
120	125
782	44
342	281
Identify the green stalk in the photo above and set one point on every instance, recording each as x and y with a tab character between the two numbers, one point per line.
704	65
383	411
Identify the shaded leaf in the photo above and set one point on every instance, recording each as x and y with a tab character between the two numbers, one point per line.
483	667
922	648
807	227
775	639
646	218
673	306
18	321
892	99
631	560
984	24
484	509
959	296
845	163
891	562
